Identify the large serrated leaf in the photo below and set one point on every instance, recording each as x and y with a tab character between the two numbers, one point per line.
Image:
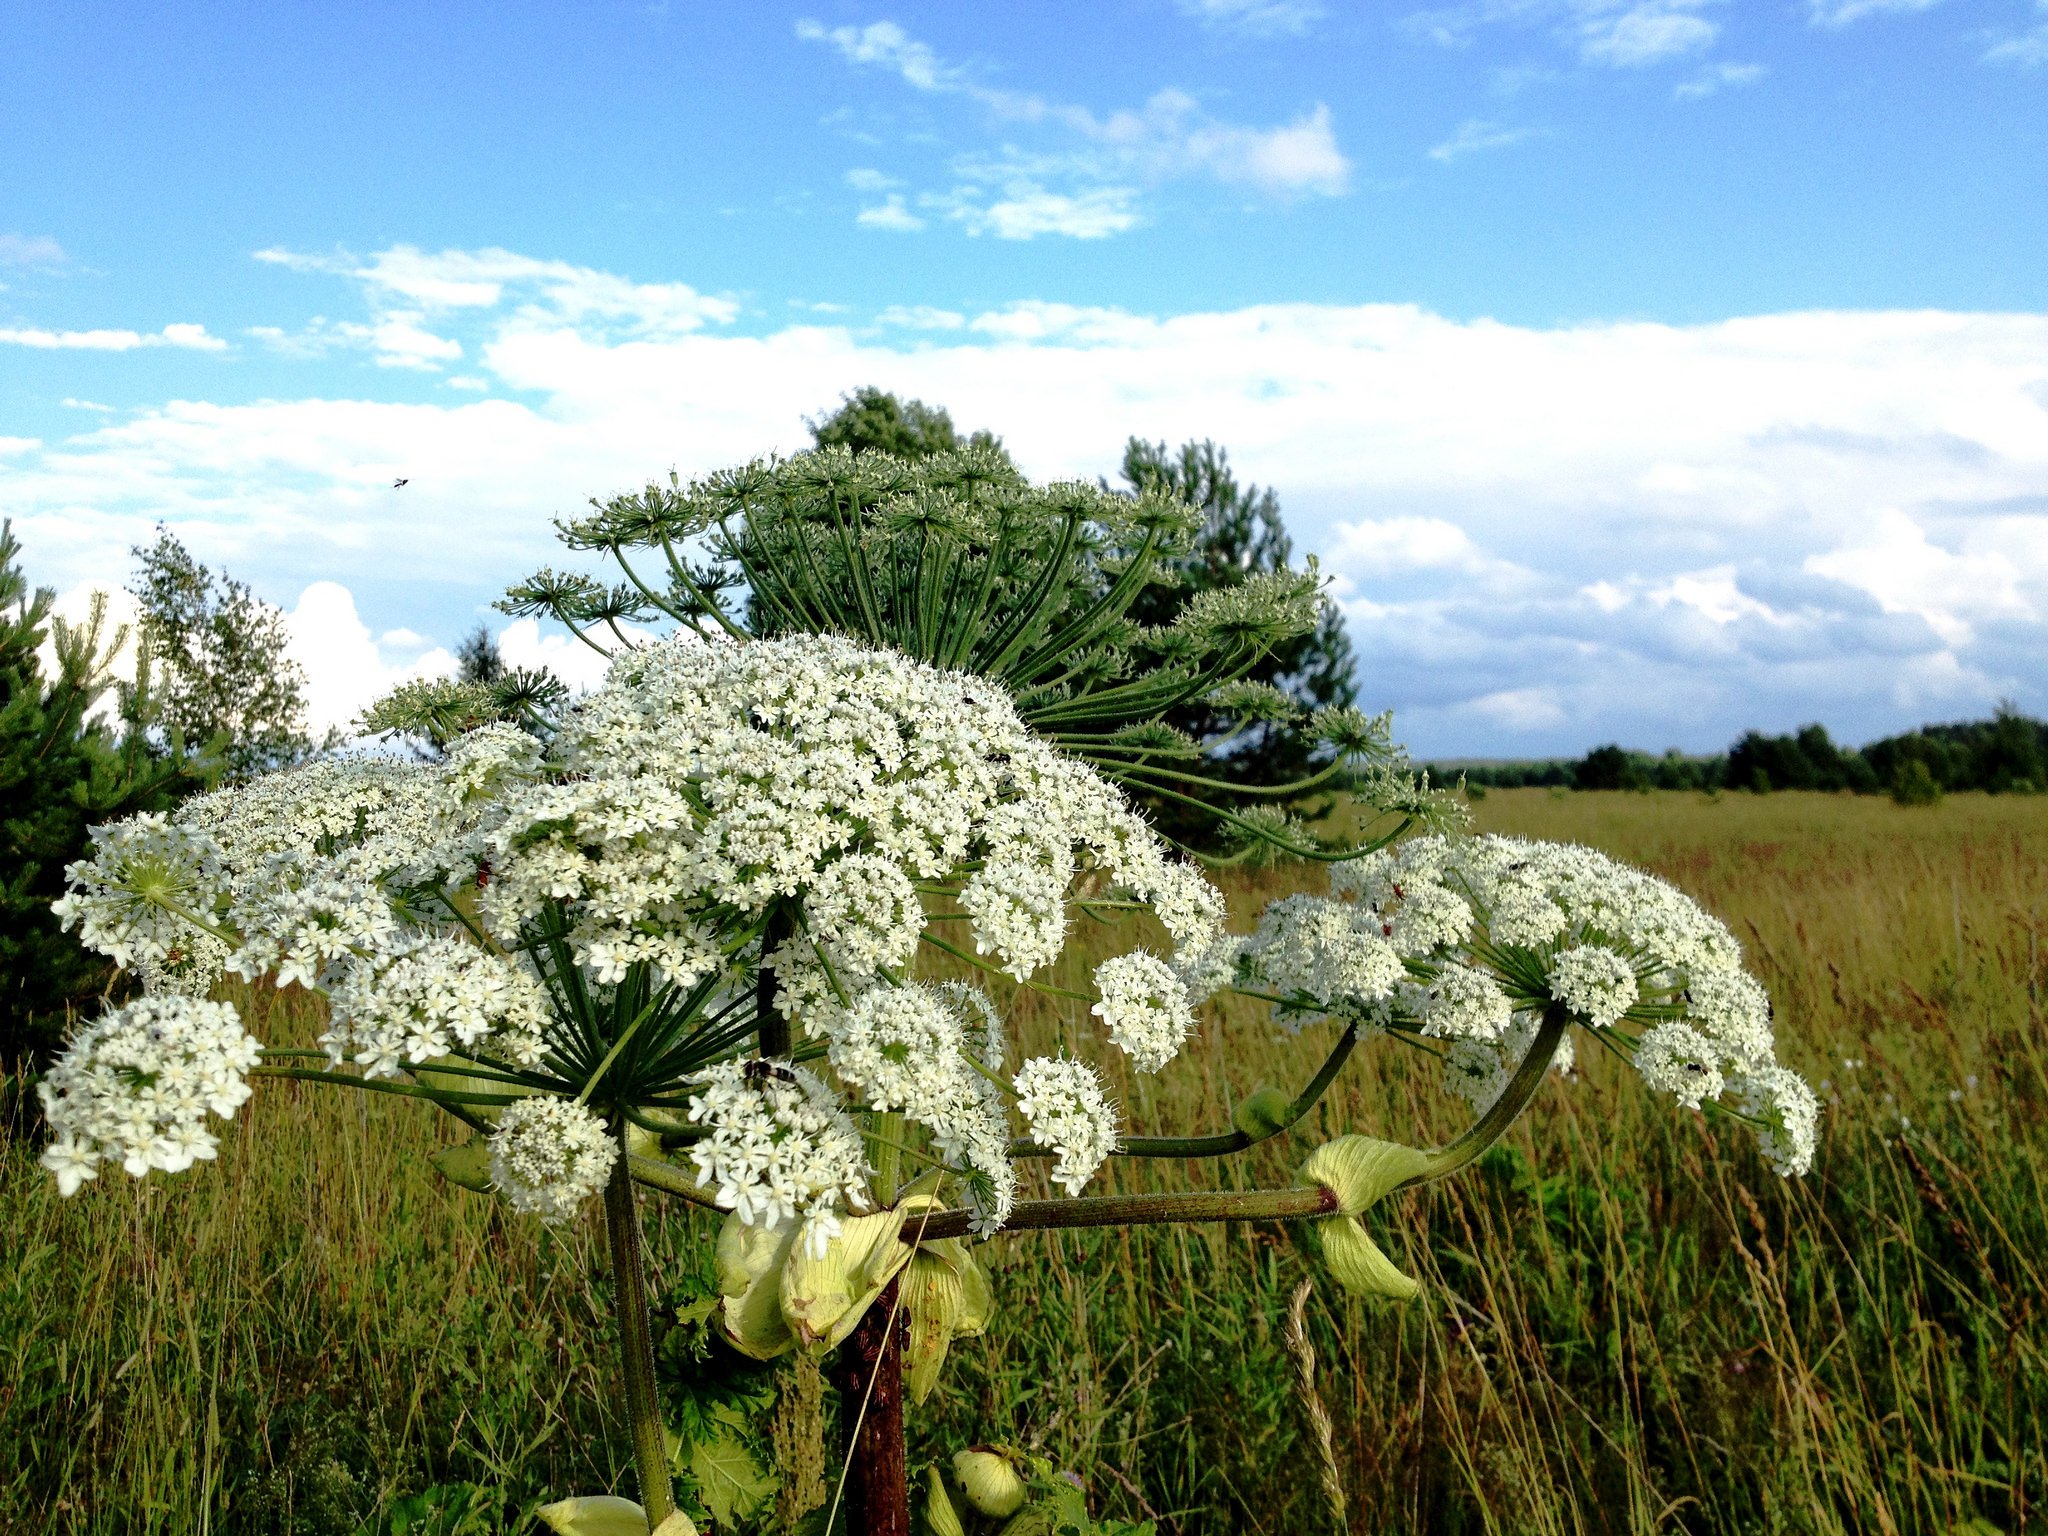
729	1481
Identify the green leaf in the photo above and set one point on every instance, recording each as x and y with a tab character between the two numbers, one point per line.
467	1163
606	1514
728	1480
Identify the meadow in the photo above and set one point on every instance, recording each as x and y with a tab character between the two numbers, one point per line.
1628	1323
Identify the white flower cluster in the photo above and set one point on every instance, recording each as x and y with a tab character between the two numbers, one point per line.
702	787
1062	1101
138	1083
781	1148
1469	940
912	1049
425	996
549	1155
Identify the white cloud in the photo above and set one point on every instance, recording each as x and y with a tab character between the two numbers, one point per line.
1026	211
1618	34
30	251
1840	13
1646	532
1256	18
1718	77
2027	50
1648	33
346	668
1473	136
890	214
921	317
1953	590
1083	188
191	337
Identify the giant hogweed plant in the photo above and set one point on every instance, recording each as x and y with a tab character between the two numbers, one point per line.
700	931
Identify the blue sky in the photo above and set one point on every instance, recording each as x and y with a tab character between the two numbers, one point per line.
1642	369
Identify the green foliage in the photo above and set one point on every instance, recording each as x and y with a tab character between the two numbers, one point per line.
447	1509
1914	784
871	420
63	769
958	561
1241	535
477	658
2007	754
1623	1310
221	653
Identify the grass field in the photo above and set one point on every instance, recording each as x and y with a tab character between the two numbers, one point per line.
1628	1323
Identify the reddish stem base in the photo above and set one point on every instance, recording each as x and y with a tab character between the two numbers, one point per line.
876	1497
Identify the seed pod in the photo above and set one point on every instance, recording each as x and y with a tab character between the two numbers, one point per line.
990	1481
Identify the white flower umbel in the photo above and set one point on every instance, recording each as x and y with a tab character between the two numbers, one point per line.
501	905
137	1084
141	897
1062	1102
781	1147
549	1155
1144	1008
1594	982
1485	935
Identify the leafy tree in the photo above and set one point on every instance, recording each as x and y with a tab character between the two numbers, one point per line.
222	654
1241	535
871	420
62	769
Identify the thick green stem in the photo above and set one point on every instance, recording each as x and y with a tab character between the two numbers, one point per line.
1224	1143
885	1153
1506	1109
636	1341
1137	1211
773	1027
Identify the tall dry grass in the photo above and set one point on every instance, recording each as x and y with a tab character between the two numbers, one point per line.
1628	1323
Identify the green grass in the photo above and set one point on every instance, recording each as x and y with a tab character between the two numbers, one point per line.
1628	1323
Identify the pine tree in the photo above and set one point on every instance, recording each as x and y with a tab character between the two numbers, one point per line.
477	658
63	769
1242	534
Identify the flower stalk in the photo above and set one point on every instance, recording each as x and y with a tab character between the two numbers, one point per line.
636	1340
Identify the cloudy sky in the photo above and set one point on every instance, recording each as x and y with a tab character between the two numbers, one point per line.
1639	369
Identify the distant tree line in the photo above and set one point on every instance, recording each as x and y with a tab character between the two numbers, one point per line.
2006	754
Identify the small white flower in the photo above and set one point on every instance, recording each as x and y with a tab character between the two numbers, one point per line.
1677	1059
136	1085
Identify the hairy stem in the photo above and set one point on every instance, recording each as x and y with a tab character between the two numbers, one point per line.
1138	1211
1506	1109
1223	1143
875	1489
636	1340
